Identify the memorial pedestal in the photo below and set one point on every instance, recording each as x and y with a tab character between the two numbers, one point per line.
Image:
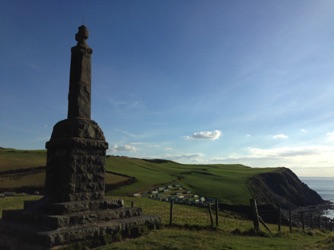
56	224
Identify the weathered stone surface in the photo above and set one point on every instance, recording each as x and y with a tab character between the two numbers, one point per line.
71	207
77	128
71	219
76	155
80	169
79	97
79	206
33	238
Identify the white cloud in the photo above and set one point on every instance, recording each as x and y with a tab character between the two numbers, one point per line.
195	157
330	136
127	133
283	152
34	66
127	148
279	136
206	135
306	160
120	104
303	130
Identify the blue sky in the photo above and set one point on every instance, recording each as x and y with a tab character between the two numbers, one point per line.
248	82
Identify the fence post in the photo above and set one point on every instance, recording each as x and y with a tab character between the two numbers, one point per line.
312	225
290	221
326	223
171	212
319	221
211	218
217	209
255	214
279	219
264	224
132	204
303	221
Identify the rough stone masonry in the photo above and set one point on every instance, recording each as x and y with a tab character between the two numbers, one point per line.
74	208
77	148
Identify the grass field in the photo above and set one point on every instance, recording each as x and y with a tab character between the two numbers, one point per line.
233	232
190	224
12	159
224	181
15	181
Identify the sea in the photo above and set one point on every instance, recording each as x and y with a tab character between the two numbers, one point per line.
324	186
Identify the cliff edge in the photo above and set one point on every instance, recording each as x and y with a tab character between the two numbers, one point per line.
282	189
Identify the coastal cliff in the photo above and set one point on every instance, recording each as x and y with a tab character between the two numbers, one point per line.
282	188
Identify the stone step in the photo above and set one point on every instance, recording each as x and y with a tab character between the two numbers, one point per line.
44	205
34	237
78	218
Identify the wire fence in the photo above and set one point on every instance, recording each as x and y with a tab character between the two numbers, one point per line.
298	218
208	216
179	214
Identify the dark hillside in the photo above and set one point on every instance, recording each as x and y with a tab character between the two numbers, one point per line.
282	188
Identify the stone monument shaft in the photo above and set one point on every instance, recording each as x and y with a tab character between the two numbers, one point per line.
77	148
79	97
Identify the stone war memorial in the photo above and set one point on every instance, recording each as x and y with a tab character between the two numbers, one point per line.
74	209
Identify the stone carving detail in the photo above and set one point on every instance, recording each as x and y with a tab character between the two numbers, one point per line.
74	206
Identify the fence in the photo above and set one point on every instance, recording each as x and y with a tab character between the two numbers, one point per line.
215	216
303	219
179	214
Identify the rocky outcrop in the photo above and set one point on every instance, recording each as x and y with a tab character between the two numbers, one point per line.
283	189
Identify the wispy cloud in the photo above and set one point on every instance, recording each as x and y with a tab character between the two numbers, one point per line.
127	148
330	136
279	136
206	135
120	104
127	133
283	152
34	66
303	157
194	157
303	130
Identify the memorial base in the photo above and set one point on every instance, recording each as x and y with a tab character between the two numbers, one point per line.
59	224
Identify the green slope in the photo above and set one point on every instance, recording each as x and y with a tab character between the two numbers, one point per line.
12	159
225	181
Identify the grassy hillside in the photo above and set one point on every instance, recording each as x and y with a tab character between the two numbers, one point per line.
11	159
225	181
229	182
233	232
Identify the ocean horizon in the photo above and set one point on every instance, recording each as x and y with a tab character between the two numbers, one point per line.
324	186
